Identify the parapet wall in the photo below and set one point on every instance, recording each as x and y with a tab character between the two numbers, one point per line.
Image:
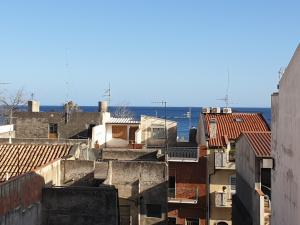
20	200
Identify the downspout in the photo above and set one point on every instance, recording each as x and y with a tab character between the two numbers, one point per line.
207	188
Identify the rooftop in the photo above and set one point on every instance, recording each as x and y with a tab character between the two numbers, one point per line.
231	125
260	143
16	159
114	120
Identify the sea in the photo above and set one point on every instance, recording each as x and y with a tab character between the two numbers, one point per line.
186	117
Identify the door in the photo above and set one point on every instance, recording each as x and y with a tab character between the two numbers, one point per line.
132	131
125	215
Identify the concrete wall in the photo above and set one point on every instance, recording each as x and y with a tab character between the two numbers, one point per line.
285	146
80	205
36	124
20	197
148	122
139	184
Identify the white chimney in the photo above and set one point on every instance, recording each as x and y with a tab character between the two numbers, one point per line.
33	106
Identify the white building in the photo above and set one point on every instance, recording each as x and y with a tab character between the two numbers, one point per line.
285	146
149	131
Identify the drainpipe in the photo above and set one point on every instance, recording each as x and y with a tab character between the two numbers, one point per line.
208	189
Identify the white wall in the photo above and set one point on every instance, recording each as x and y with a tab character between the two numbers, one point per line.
6	128
98	134
285	146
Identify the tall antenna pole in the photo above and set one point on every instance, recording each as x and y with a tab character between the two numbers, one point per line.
226	98
280	74
164	103
107	94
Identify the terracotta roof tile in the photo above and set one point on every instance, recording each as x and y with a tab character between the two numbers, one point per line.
231	125
260	143
16	159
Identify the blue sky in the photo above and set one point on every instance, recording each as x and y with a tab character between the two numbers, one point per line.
179	51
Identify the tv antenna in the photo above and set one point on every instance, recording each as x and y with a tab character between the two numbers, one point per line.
226	99
107	94
280	74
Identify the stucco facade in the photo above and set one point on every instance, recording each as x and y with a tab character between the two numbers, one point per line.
285	146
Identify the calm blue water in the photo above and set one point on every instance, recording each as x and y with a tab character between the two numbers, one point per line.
177	114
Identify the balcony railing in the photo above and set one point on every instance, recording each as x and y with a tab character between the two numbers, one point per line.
183	195
183	154
223	199
222	161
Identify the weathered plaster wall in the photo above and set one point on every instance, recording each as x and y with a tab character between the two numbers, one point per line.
139	184
285	146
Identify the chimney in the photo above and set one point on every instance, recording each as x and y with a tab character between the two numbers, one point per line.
102	106
213	128
33	106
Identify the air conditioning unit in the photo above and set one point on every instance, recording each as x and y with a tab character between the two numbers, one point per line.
216	110
227	110
206	110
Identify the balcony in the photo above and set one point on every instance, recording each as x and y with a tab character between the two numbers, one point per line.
224	160
183	154
183	195
222	199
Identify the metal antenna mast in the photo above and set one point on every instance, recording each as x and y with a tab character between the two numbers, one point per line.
226	99
107	94
280	74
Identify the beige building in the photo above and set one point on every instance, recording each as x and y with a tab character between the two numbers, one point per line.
285	146
221	129
252	202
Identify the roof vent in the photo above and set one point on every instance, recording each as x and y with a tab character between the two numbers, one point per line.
239	120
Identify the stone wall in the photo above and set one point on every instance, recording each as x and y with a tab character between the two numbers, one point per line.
36	124
80	205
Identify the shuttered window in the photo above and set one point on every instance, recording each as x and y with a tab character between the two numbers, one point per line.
233	183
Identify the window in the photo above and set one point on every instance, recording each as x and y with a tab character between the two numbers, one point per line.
192	221
52	128
172	186
233	183
52	132
158	133
153	210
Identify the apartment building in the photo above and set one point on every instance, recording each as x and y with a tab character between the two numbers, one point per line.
220	129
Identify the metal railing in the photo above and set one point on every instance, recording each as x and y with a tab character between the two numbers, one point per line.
183	195
223	199
183	154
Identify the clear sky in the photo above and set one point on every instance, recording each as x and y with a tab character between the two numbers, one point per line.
149	50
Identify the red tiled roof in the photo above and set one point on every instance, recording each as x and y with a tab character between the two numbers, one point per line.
16	159
260	143
231	125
